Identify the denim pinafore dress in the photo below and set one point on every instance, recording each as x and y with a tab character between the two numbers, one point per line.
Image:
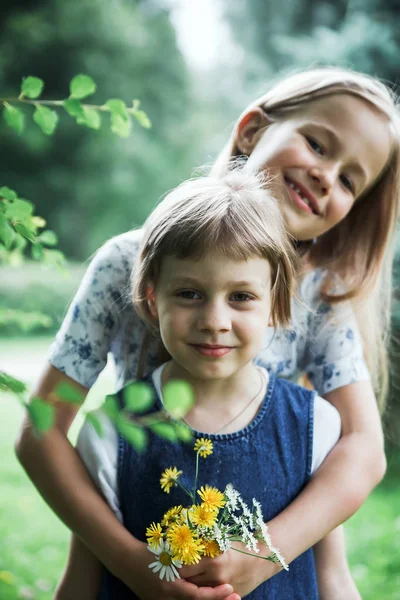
269	460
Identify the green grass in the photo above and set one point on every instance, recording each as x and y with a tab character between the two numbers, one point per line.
34	542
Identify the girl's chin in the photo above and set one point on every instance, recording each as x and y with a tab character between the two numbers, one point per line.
297	227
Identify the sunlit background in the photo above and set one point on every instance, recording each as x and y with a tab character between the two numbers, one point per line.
194	65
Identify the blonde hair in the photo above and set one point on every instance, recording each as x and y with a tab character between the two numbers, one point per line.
360	248
233	215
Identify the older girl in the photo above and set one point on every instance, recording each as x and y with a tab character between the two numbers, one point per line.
331	139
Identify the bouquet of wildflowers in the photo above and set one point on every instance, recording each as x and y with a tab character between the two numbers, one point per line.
206	527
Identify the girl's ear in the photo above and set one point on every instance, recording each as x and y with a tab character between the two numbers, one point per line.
250	129
151	302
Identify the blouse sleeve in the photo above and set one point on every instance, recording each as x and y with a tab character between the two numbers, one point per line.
327	426
100	456
333	354
94	316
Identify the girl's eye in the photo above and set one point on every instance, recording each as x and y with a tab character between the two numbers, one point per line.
347	183
314	145
241	297
188	295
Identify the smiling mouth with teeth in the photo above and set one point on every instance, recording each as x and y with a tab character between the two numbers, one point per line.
300	194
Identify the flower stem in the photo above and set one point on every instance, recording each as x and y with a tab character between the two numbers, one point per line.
255	555
195	479
189	493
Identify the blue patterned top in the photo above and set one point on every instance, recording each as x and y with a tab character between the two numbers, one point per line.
323	340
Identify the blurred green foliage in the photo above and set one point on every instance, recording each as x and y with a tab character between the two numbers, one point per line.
88	185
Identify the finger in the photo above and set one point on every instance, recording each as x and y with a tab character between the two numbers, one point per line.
191	571
185	590
215	593
203	580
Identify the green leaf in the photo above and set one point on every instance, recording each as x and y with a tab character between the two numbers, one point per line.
69	393
14	118
7	193
46	118
32	87
95	422
7	233
183	432
9	383
42	414
164	430
73	107
121	126
82	86
120	121
37	252
178	398
111	406
19	210
48	238
138	397
117	107
142	118
25	232
90	118
135	435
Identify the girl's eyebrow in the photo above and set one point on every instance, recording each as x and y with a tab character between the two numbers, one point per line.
337	142
196	282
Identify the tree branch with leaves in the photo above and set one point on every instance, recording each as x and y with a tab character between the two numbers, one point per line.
21	229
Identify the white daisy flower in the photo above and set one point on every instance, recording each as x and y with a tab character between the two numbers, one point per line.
166	564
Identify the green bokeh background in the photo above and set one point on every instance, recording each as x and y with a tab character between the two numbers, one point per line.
91	185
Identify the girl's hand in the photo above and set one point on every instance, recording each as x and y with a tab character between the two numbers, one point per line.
245	573
148	586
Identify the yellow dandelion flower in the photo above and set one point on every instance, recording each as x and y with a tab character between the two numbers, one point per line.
212	498
184	545
199	515
154	535
169	478
204	447
211	548
171	516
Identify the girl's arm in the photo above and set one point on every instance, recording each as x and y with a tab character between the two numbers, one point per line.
334	578
82	575
354	467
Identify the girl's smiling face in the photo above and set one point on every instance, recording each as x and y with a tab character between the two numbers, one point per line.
323	157
212	313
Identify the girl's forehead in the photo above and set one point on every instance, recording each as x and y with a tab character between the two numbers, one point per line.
214	265
340	110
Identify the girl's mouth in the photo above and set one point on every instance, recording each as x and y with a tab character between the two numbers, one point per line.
300	199
211	351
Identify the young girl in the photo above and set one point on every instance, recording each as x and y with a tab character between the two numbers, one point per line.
215	265
330	138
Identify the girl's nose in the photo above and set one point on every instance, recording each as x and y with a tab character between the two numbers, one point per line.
214	317
324	176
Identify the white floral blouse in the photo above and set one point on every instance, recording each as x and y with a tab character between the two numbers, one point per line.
322	342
